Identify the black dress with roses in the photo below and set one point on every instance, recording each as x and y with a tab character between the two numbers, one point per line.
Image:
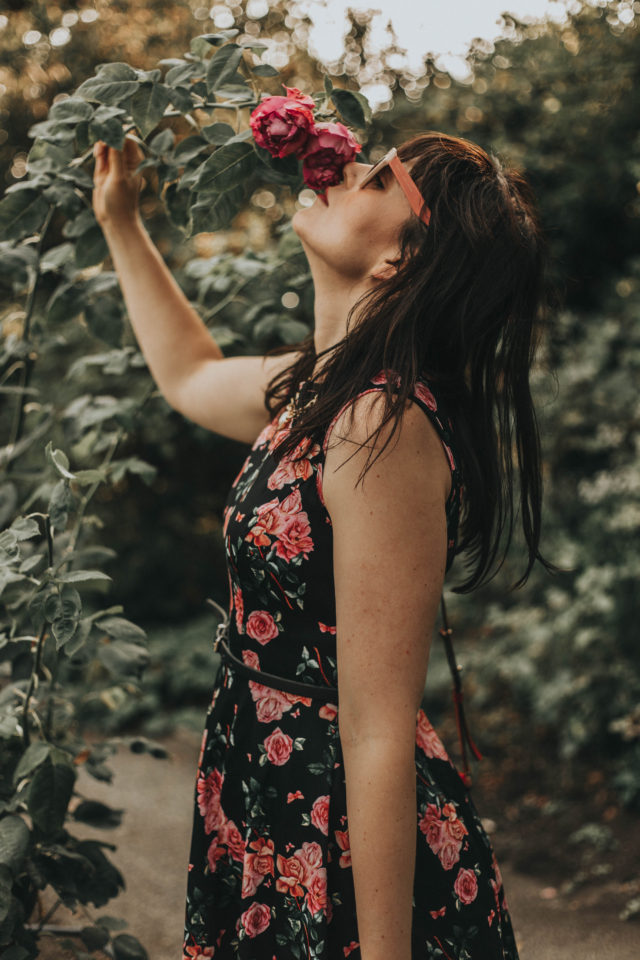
269	868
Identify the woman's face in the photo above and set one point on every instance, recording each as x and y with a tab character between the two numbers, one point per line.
359	228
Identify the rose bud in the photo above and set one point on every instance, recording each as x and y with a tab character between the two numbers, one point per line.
282	124
329	147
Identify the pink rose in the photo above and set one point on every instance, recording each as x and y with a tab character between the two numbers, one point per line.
268	523
262	860
329	147
311	852
250	882
294	538
431	825
320	814
423	393
270	703
278	745
256	919
449	853
427	739
261	626
282	125
250	657
293	873
466	886
208	790
317	892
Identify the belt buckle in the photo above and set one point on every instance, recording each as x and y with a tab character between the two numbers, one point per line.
222	628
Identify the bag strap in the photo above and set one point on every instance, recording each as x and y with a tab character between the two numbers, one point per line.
463	730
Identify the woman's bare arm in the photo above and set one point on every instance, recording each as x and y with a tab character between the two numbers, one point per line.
390	545
225	395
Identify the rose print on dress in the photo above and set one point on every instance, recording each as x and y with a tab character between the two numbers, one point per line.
261	626
270	872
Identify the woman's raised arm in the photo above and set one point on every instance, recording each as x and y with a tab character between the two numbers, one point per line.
225	395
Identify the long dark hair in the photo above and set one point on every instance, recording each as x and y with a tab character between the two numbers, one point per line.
467	308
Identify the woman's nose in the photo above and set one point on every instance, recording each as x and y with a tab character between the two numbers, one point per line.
352	172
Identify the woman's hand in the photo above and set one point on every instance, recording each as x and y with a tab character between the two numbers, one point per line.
115	189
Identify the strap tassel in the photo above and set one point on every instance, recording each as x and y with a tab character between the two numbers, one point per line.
464	734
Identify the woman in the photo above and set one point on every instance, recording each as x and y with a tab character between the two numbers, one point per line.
320	830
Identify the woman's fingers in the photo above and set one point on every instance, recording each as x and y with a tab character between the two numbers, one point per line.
99	153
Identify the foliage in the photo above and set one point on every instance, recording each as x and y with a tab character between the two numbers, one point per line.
86	427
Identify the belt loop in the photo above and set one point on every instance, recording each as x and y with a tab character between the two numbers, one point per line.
222	629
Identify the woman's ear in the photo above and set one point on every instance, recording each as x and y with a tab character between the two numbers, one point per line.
386	269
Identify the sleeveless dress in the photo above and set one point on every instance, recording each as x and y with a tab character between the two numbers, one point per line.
269	875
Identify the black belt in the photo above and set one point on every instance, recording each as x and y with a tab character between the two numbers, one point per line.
328	694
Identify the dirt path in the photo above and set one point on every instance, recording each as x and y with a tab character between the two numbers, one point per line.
153	844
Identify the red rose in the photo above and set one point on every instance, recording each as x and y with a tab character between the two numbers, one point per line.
294	538
320	814
256	919
329	147
231	836
261	626
466	886
282	124
278	746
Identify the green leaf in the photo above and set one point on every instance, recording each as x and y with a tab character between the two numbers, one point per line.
60	504
81	576
59	460
227	167
217	212
35	754
189	148
122	629
218	133
124	659
104	320
24	528
148	106
126	947
91	248
353	107
107	125
49	795
94	938
107	91
66	302
72	110
183	72
21	214
14	842
163	142
264	70
223	65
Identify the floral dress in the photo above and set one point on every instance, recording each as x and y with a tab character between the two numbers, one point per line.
269	874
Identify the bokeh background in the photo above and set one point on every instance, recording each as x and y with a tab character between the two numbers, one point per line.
552	671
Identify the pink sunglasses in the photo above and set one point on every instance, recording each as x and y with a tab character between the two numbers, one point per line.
410	190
